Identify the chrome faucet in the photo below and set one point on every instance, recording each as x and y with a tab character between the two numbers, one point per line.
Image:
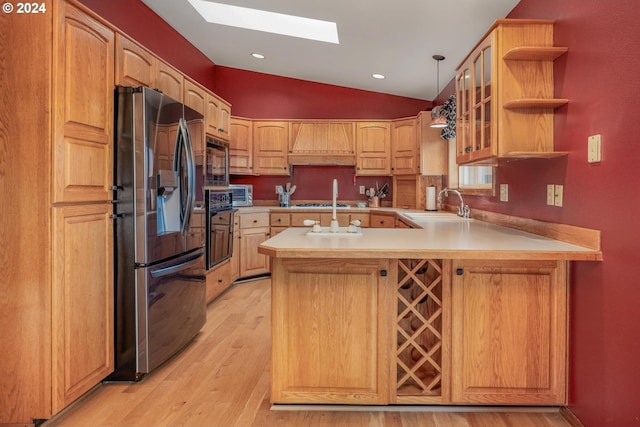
463	210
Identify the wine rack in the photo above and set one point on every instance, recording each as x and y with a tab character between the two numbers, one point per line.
419	328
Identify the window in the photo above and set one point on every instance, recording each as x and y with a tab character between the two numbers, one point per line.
469	179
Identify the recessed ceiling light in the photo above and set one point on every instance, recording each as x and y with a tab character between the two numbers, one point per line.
257	55
270	22
377	76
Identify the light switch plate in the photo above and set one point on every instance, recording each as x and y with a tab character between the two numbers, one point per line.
559	190
551	194
594	149
504	192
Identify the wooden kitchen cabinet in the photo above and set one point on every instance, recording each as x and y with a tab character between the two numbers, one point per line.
279	222
218	280
82	300
509	332
83	118
241	146
135	66
56	321
373	148
218	117
504	91
169	81
235	256
405	147
270	146
254	229
382	220
194	96
330	335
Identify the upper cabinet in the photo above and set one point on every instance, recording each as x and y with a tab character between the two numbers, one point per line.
405	147
195	96
83	119
373	148
135	66
322	143
241	147
270	141
218	117
504	91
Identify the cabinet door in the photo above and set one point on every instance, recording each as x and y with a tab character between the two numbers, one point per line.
135	66
509	323
373	148
218	280
270	142
405	150
195	96
241	147
253	263
382	221
212	115
83	119
82	300
234	261
330	331
224	121
169	80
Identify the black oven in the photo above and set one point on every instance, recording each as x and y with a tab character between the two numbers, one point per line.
219	226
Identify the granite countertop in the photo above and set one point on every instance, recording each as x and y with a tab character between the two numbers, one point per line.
448	238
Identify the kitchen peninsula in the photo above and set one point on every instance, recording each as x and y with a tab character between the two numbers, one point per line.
451	311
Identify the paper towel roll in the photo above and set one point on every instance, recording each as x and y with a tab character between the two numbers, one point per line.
431	198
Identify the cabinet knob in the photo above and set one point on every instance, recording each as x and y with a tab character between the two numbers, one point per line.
383	273
459	271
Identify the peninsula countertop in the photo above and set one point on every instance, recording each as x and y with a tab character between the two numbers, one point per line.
445	239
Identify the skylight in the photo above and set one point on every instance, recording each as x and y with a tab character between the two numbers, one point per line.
270	22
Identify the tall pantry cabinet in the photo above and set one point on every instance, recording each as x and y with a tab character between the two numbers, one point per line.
56	113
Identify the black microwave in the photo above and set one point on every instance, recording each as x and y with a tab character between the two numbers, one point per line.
217	163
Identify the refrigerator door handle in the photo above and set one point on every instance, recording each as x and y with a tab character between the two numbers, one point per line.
191	172
191	261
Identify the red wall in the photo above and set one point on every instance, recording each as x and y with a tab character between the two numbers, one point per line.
599	77
264	96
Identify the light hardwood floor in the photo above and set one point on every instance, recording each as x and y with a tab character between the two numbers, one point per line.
222	380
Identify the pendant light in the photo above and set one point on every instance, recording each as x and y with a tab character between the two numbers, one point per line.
438	118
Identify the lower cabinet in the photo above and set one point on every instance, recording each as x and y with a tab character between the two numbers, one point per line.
509	332
254	229
218	280
419	331
329	331
82	300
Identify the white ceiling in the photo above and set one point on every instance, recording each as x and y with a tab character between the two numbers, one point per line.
396	38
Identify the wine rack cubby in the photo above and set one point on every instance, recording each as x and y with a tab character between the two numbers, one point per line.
419	328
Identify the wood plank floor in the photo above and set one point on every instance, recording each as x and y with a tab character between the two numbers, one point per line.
222	380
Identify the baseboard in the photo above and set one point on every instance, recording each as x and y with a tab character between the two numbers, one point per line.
570	417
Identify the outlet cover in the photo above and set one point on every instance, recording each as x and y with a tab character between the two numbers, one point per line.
594	149
362	189
551	194
504	192
559	190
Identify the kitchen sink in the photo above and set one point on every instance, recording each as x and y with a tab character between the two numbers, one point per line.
342	231
436	216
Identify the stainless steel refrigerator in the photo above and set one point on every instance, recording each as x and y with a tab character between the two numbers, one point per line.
159	257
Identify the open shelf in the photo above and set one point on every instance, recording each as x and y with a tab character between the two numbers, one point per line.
534	53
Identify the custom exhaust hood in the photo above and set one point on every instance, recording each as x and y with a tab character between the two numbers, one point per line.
322	143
